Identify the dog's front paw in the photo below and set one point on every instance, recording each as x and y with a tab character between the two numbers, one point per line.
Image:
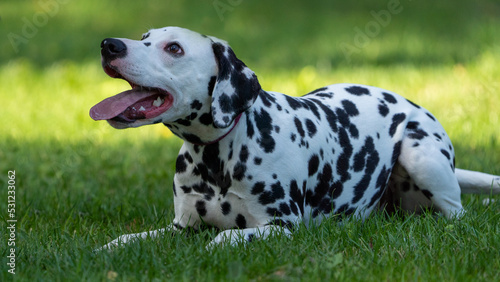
232	238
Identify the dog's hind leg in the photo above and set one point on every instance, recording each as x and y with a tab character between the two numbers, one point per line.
473	182
430	167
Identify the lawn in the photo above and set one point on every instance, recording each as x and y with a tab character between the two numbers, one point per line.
81	183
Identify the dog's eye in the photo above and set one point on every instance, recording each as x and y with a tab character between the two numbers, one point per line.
174	48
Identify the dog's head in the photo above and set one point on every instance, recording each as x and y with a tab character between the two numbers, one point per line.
176	76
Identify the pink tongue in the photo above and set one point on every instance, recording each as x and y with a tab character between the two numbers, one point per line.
113	106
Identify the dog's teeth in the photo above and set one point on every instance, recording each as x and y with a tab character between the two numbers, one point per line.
158	102
142	109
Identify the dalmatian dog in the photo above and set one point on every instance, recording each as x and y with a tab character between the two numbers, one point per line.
255	162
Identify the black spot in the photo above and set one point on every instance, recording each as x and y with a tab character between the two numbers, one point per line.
396	120
226	208
343	159
430	116
330	115
294	103
405	186
211	85
412	125
311	128
257	160
416	144
359	158
188	157
293	207
383	110
350	108
372	160
317	91
280	222
258	188
267	99
251	237
250	129
357	90
418	134
186	189
200	208
326	206
174	189
293	137
239	171
241	222
263	122
345	210
322	187
336	189
312	107
244	154
296	195
274	212
353	130
180	164
342	117
437	136
206	119
446	154
196	105
147	44
204	189
268	197
396	151
275	176
298	125
427	193
285	209
389	98
313	164
191	138
413	104
185	122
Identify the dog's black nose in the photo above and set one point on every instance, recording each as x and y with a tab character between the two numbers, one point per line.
112	48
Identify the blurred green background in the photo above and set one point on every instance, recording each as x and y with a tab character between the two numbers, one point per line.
275	34
81	182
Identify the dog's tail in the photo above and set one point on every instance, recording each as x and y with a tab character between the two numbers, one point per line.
473	182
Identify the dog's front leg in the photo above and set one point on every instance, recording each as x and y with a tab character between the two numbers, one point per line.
237	236
128	238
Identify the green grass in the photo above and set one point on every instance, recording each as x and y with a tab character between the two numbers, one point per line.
81	183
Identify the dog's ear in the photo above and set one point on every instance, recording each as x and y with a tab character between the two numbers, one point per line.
236	86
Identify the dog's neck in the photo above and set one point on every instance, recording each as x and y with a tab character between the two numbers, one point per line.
235	122
195	132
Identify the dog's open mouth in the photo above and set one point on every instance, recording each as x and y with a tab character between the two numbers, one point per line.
138	103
